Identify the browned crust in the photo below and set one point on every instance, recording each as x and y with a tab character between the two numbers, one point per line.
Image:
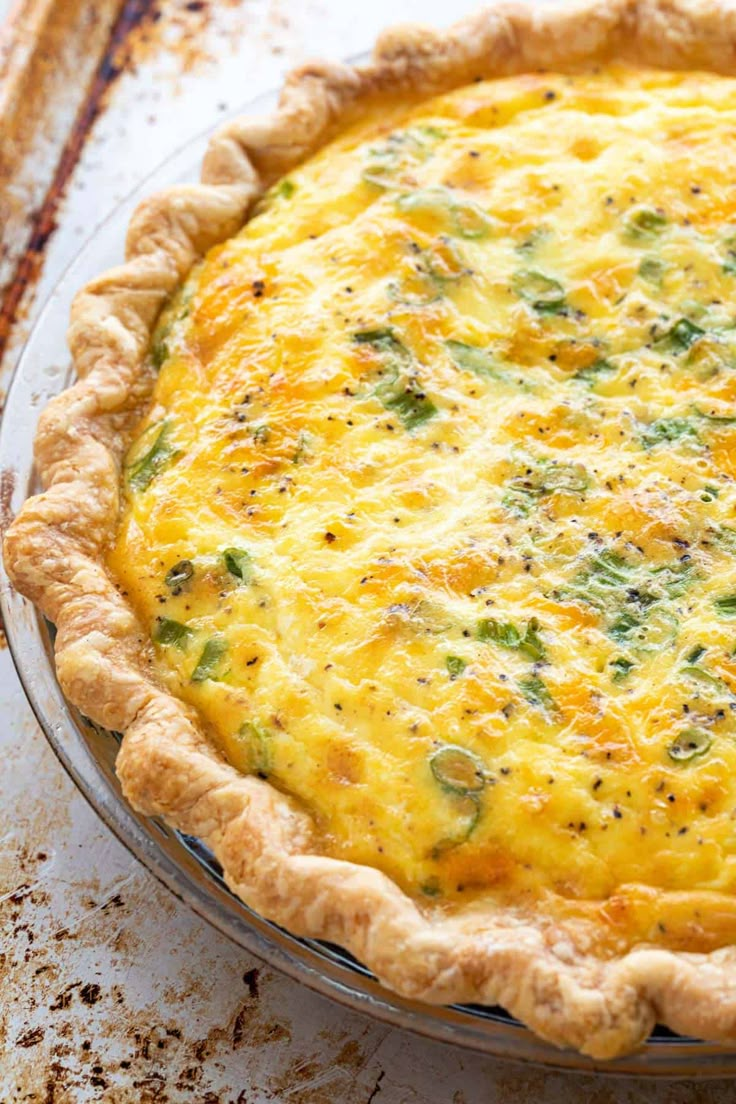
54	554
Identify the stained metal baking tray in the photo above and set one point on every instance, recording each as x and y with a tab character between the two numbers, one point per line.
182	863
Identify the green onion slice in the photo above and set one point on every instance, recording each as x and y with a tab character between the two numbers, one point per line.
179	574
171	633
458	770
210	659
257	744
545	294
690	744
455	665
239	563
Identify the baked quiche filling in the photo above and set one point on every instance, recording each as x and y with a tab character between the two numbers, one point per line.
433	516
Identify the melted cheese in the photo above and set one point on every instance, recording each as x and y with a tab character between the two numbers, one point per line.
433	516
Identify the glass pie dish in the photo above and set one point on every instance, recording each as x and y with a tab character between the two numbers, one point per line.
181	862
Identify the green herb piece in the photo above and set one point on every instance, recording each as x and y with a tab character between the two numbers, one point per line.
533	239
383	341
400	391
603	582
649	631
535	691
571	478
726	605
210	659
467	811
644	223
679	337
239	563
282	189
622	667
595	371
709	493
458	770
697	674
666	431
520	498
179	574
608	569
379	171
256	741
652	269
697	653
150	455
631	598
160	348
506	635
472	359
302	447
426	132
178	310
434	270
261	433
716	419
403	396
623	626
674	579
531	644
498	632
543	477
400	151
171	633
461	215
726	536
455	666
431	888
285	188
690	744
545	294
729	263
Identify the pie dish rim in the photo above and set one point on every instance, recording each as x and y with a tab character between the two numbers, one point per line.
52	555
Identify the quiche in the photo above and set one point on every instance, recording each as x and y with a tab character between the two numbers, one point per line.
392	517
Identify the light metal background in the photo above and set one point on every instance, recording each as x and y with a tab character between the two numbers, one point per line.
111	989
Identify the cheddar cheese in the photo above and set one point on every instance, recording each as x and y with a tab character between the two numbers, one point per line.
433	516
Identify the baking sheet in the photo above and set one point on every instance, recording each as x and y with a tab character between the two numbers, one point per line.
113	989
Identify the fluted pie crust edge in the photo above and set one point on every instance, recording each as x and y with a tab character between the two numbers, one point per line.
54	553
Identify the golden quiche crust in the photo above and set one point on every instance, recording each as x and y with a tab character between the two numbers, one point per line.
55	554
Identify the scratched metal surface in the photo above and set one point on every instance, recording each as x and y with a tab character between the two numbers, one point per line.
111	989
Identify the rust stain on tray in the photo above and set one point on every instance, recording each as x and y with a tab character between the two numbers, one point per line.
7	489
175	26
142	28
44	222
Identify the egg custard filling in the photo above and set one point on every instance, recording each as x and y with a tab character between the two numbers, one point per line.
433	516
